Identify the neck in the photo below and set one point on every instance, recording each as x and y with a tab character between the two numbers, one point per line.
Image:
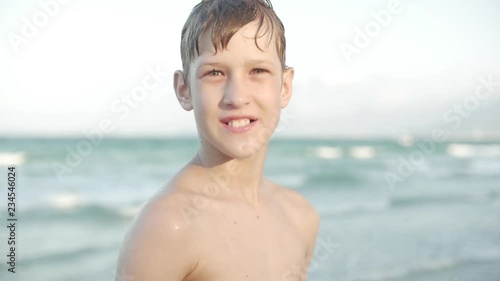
241	178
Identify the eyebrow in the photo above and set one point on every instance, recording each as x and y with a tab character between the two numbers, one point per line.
218	64
257	61
214	64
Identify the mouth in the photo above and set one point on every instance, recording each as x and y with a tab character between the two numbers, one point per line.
238	123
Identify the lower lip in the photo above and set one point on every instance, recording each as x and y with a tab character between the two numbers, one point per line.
239	130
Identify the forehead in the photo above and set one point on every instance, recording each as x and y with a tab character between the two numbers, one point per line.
248	41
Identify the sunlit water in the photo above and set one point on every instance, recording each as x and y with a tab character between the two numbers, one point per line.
388	215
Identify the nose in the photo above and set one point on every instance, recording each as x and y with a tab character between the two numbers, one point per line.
236	92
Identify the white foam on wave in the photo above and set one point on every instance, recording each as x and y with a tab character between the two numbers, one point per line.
12	158
459	150
363	152
406	140
328	152
66	201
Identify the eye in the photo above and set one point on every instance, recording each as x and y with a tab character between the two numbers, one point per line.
214	72
259	70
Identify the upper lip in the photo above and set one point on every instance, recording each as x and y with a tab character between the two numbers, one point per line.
235	117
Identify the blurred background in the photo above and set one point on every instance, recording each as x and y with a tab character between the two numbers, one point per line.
392	132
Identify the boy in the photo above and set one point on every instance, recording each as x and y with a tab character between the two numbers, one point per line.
219	218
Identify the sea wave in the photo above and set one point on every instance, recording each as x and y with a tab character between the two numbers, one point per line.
327	152
355	208
293	181
336	152
80	211
66	201
461	150
429	266
363	152
381	205
65	254
408	201
336	179
12	158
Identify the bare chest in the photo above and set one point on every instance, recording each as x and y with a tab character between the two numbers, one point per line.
250	247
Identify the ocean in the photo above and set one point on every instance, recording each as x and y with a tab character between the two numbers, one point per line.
390	209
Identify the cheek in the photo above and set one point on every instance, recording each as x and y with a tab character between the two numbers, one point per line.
270	90
198	103
205	102
198	96
276	96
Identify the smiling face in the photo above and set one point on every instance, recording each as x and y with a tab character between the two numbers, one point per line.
236	93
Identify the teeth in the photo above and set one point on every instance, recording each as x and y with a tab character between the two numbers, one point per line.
239	123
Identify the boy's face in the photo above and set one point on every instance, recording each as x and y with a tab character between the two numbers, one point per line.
236	94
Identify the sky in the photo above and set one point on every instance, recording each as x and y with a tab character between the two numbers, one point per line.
68	66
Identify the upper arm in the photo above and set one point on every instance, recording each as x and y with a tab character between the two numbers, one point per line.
156	246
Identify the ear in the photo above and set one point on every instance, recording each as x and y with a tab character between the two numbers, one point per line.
286	88
182	91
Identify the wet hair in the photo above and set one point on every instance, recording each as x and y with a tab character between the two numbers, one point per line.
223	18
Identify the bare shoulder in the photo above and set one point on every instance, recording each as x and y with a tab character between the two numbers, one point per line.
299	209
158	234
163	212
296	204
303	215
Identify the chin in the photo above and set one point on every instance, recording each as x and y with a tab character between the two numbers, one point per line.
250	148
236	146
241	149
